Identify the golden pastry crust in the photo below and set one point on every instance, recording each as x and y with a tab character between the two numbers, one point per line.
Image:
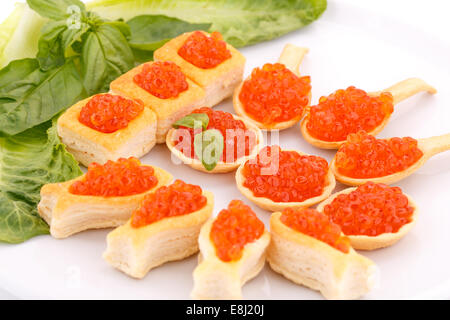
221	167
363	242
135	251
317	265
270	205
89	145
216	279
67	213
219	82
167	110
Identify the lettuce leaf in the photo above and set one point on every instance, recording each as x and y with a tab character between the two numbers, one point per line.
241	22
28	161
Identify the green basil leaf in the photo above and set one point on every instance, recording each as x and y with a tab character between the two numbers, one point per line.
57	9
122	26
141	56
30	96
208	147
51	49
70	36
149	32
104	57
193	120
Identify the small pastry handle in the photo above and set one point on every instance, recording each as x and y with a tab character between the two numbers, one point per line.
434	145
407	88
292	57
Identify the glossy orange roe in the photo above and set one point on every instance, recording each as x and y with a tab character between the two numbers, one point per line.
295	177
123	177
108	113
371	209
364	156
163	79
175	200
348	111
204	51
222	121
233	229
317	225
274	94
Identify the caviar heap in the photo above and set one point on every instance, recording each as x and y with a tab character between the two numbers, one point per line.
163	79
348	111
274	94
123	177
372	209
175	200
364	156
204	51
108	113
295	177
317	225
234	131
233	228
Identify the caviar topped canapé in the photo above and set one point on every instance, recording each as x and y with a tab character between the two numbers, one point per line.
238	140
372	209
317	225
364	156
177	199
204	51
285	176
233	228
163	79
348	111
108	113
123	177
274	94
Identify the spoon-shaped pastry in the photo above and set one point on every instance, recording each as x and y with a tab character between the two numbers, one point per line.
290	58
399	91
417	152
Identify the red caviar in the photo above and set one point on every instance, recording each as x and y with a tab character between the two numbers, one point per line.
108	113
204	51
364	156
178	199
371	209
222	121
317	225
294	177
274	94
233	228
163	79
123	177
348	111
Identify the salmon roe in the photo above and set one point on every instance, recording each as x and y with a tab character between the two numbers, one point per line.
108	113
274	94
233	228
163	79
348	111
204	51
123	177
371	209
317	225
285	176
364	156
178	199
222	121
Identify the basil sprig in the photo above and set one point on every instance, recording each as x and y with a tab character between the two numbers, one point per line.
193	121
208	147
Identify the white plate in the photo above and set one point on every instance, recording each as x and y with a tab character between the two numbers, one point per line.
348	46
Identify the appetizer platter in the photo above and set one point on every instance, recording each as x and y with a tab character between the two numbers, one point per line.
285	208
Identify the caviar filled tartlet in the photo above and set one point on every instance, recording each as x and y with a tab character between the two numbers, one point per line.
209	61
164	88
164	228
214	141
372	215
277	179
107	127
104	197
232	251
275	96
343	112
309	249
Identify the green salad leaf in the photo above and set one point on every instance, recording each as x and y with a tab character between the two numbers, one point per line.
193	120
56	9
51	48
27	161
208	147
